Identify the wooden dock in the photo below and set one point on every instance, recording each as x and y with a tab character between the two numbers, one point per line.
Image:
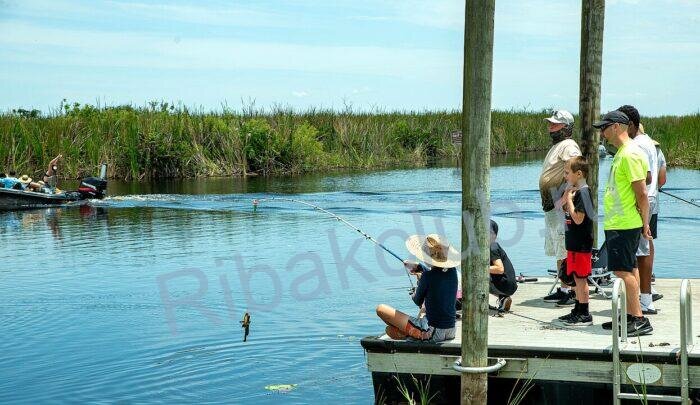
563	362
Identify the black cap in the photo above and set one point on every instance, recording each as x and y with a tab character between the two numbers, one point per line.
494	227
613	117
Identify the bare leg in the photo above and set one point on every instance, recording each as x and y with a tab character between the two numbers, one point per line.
394	333
581	289
399	320
646	264
561	285
634	307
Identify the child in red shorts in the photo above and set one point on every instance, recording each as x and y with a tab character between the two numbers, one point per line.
579	214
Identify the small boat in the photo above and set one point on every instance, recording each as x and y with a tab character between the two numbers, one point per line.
90	188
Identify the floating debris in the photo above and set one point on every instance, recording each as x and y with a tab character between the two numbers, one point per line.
659	344
281	388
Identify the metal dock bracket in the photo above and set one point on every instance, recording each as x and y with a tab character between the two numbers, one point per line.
457	366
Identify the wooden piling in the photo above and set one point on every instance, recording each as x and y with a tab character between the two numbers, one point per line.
476	130
592	18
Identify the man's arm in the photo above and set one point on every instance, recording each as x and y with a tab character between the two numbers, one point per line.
497	267
421	290
662	176
640	193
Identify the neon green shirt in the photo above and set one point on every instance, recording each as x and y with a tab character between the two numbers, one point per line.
619	202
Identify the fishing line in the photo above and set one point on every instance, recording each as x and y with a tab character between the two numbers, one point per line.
675	196
351	226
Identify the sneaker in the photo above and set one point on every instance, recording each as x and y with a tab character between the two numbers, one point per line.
578	319
573	312
567	300
504	304
639	326
556	296
608	325
656	297
649	311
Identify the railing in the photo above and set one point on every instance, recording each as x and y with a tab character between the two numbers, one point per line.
619	304
619	299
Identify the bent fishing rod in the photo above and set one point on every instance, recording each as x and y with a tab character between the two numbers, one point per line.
675	196
351	226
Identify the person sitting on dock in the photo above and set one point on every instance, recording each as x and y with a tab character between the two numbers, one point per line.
502	282
437	289
626	215
579	214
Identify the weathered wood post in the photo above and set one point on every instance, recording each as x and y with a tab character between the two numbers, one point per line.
592	17
476	130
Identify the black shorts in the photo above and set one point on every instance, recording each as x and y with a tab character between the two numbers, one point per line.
622	248
652	224
501	287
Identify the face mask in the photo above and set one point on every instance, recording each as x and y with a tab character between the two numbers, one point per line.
558	136
612	149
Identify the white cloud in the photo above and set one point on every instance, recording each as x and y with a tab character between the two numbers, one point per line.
300	94
363	89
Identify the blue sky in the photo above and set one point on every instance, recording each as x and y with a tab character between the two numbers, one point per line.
387	55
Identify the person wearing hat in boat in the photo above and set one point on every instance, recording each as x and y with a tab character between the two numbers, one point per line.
437	290
28	185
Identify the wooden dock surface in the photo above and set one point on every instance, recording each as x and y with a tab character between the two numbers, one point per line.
538	346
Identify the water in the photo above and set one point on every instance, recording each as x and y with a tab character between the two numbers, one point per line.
93	299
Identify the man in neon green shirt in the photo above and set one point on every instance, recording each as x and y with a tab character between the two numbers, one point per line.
626	214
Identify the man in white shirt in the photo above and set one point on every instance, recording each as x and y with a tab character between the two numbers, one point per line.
645	252
552	182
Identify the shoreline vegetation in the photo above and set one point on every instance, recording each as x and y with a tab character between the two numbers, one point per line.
161	140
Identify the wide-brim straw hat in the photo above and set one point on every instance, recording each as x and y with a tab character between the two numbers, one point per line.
434	250
25	179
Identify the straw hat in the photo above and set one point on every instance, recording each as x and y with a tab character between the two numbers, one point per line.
434	250
25	179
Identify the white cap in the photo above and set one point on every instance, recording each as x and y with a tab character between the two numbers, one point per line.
561	117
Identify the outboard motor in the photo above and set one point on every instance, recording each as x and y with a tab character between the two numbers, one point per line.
93	187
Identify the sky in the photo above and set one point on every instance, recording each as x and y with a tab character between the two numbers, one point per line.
403	55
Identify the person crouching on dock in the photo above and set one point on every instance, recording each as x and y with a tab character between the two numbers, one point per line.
437	289
502	281
579	214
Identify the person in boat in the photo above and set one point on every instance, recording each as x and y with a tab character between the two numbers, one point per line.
27	184
437	290
9	180
50	178
502	282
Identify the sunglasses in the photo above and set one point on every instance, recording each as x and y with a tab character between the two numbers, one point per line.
606	127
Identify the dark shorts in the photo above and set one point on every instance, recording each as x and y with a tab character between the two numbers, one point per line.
622	248
579	263
652	224
501	288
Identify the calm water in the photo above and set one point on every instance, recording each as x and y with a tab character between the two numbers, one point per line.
138	298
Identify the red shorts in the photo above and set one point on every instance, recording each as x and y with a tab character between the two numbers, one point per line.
578	263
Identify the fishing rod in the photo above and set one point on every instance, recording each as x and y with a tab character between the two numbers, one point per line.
675	196
351	226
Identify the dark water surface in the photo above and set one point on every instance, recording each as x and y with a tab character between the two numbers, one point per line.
137	298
